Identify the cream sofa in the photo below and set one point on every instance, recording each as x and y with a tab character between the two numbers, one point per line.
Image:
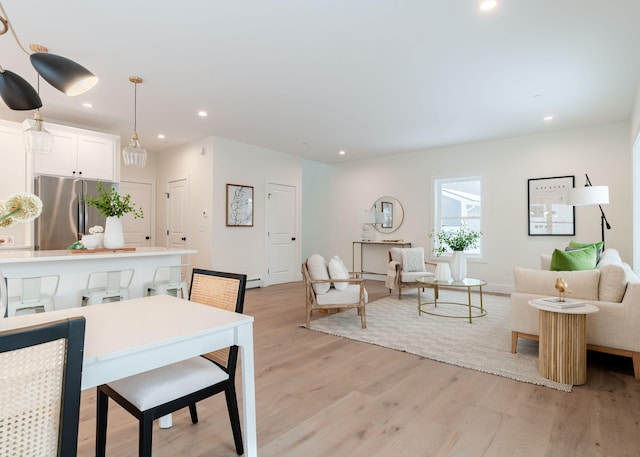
612	286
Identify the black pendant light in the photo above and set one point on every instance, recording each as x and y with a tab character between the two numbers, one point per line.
17	93
62	73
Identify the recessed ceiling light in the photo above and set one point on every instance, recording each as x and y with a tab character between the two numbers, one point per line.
547	118
87	105
342	153
487	5
202	113
161	136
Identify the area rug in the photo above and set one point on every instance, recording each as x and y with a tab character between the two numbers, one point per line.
484	345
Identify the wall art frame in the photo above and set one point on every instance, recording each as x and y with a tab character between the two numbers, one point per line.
549	212
239	205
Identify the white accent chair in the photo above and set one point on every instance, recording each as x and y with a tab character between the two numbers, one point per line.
408	265
323	292
168	280
35	292
107	285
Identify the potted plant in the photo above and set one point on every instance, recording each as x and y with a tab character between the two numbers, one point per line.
458	241
113	206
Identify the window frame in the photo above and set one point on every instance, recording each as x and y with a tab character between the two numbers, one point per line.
437	216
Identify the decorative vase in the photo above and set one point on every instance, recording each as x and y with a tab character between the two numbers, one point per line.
458	266
443	272
113	236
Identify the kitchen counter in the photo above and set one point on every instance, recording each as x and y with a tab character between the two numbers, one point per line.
74	268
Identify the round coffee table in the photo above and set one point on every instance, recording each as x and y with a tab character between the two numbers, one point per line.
468	283
562	350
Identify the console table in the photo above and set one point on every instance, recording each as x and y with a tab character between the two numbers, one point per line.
390	243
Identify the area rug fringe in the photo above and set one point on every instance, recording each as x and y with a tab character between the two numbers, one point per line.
484	345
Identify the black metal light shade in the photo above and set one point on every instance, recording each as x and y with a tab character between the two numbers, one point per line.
63	74
17	93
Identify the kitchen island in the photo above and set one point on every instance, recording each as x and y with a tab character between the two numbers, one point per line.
74	268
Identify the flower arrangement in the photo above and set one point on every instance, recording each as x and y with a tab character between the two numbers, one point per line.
111	204
456	240
19	207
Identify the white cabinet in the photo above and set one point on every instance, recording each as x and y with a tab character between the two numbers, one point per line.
80	153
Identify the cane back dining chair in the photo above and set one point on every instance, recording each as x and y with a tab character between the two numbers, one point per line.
156	393
40	375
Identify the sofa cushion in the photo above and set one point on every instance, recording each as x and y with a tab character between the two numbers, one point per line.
318	270
599	245
579	259
613	277
413	259
337	270
583	284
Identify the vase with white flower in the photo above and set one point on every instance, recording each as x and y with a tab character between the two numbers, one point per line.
113	206
456	240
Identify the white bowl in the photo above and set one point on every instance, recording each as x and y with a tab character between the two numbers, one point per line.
93	241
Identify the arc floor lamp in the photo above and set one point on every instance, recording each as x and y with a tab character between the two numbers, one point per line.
591	195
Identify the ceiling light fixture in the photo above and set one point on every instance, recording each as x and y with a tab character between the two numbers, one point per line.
36	139
487	5
134	155
547	118
62	73
202	113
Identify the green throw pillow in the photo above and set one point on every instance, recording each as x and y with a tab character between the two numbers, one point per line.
598	245
578	259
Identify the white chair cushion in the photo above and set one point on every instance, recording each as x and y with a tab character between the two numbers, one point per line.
413	275
156	387
412	259
349	296
317	267
337	270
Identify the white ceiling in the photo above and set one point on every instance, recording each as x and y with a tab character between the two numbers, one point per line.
371	77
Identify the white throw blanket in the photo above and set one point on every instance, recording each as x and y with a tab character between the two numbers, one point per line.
392	277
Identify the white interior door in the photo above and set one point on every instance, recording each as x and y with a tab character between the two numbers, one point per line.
177	213
281	234
137	232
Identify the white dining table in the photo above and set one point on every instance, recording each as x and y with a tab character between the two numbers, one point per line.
132	336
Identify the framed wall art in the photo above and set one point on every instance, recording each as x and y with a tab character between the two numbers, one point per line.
549	211
239	205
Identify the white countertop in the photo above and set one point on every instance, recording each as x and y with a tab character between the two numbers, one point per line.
21	256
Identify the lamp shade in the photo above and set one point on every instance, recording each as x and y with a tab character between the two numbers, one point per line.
17	93
367	217
589	195
63	74
134	155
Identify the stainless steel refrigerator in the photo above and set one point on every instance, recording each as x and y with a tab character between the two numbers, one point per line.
65	215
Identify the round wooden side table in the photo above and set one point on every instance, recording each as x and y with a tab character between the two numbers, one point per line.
562	351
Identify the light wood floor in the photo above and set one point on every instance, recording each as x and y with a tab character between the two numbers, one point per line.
319	395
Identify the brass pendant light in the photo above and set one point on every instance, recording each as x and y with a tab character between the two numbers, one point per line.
135	155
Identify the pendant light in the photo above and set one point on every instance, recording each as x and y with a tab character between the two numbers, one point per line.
62	73
36	139
134	155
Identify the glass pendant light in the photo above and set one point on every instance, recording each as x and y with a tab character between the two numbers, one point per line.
36	139
135	155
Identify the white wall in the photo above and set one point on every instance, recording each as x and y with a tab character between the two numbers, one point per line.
635	117
193	161
244	249
334	195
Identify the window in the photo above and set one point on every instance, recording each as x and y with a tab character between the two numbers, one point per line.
458	201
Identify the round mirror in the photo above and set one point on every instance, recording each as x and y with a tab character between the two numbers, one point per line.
389	213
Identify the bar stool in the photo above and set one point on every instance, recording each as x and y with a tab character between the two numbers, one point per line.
168	280
113	290
35	292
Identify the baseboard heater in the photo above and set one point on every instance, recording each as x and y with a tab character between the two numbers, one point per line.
254	283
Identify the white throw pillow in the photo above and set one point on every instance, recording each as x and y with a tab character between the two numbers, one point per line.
413	259
317	267
337	270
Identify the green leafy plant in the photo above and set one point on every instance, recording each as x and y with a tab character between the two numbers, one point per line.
456	240
111	204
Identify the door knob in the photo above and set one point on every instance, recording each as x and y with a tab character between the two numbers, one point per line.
147	237
184	238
